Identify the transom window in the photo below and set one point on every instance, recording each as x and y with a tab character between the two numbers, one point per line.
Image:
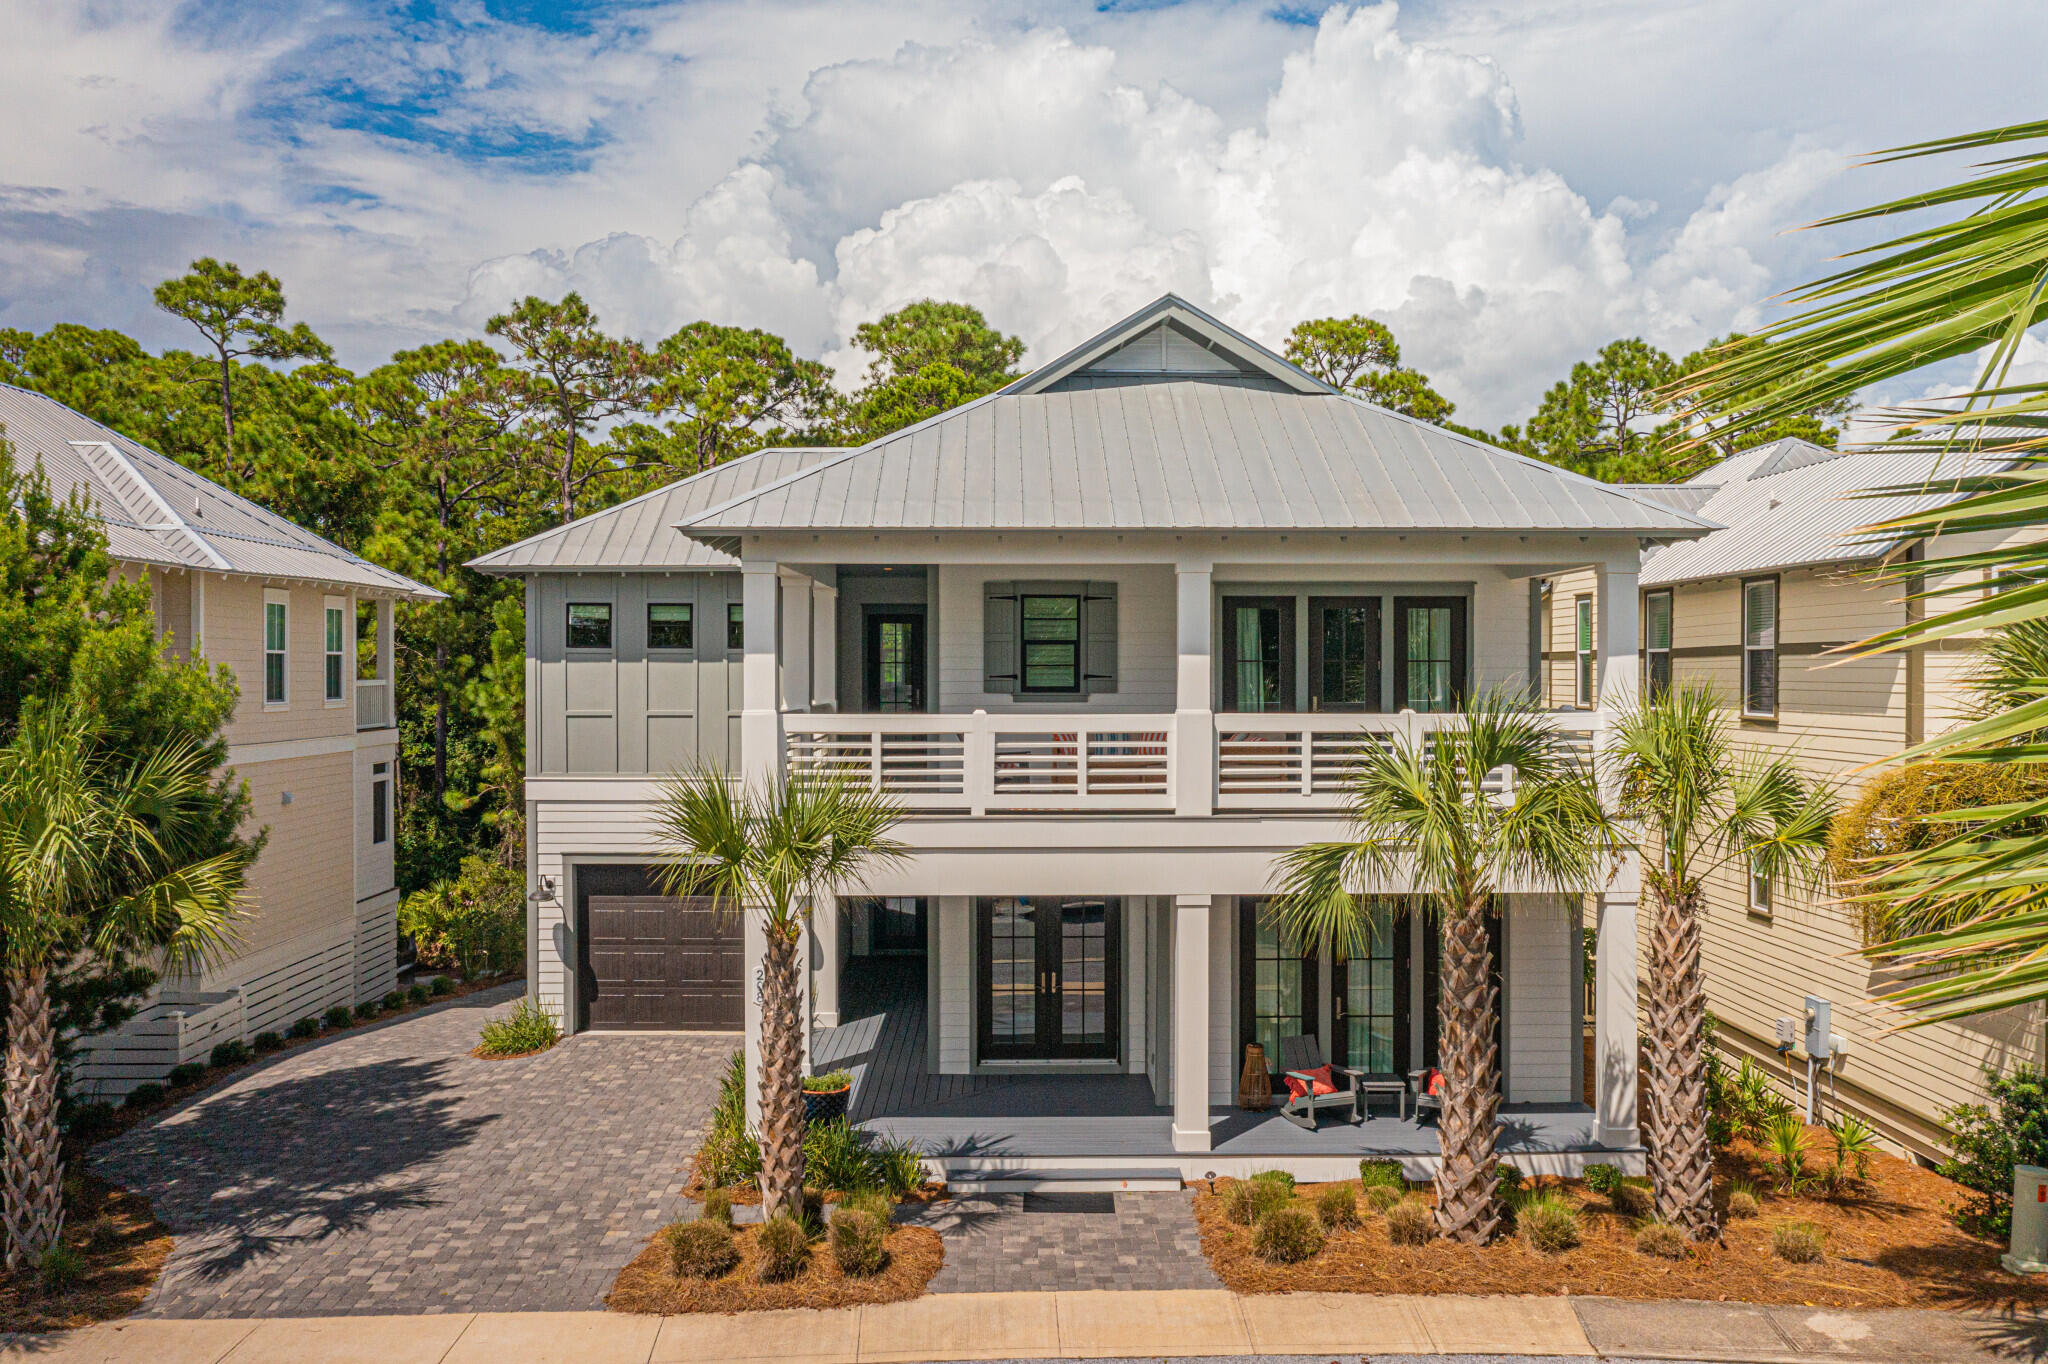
1657	642
1052	644
1582	650
276	632
335	636
590	625
1760	647
669	625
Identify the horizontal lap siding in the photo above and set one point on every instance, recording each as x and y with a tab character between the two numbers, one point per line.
233	635
1542	1001
1560	664
1500	632
304	882
562	833
1147	644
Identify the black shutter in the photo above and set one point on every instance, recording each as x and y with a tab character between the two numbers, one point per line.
999	648
1098	640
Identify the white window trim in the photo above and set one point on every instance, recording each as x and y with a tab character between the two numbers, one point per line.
1777	635
345	653
276	596
1760	907
1585	678
1670	635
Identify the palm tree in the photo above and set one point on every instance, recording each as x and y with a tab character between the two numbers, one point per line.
1428	812
772	854
1691	803
101	854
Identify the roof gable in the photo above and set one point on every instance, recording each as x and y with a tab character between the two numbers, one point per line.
1168	340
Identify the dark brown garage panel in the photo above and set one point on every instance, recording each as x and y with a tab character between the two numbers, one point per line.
652	961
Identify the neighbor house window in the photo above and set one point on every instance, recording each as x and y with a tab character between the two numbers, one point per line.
1582	650
1052	644
590	625
1759	891
1760	647
337	634
669	625
735	626
380	804
276	635
1657	643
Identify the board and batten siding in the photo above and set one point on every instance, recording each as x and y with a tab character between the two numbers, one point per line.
629	709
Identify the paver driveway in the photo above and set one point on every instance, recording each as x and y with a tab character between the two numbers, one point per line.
387	1170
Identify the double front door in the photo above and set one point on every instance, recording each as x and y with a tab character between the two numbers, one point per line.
1049	974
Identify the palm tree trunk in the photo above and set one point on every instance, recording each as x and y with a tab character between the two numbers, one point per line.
1466	1206
1681	1161
34	1194
782	1058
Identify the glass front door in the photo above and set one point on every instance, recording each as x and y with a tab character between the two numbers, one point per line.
895	662
1258	657
1049	978
1344	653
1429	653
1277	989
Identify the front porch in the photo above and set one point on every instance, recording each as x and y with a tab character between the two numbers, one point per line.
967	1123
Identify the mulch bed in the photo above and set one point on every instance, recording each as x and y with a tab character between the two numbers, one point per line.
122	1261
646	1285
1892	1245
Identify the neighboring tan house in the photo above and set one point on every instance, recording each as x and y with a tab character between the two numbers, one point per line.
1755	609
317	744
1111	635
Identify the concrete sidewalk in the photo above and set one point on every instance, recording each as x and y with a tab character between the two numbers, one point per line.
1081	1325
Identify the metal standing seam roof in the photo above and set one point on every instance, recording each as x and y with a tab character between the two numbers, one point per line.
640	534
1792	504
156	511
1181	454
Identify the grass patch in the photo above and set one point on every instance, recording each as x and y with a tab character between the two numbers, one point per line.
526	1030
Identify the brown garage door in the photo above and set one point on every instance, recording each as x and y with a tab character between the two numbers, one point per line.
652	961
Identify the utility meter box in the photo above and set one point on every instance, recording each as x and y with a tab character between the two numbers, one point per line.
1788	1033
1817	1031
2029	1253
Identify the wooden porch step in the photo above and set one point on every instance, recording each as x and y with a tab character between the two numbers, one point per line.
1154	1179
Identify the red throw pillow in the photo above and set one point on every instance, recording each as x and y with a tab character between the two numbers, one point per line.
1436	1083
1320	1083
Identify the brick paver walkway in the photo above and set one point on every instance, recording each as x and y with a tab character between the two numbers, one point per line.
1014	1242
389	1171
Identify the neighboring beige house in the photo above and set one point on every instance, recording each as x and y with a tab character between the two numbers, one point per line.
1756	608
317	744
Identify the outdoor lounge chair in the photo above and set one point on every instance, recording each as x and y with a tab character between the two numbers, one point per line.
1300	1055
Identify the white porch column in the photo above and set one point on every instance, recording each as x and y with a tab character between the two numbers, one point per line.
795	629
1614	1011
1194	722
1191	1021
1617	647
760	762
824	647
825	962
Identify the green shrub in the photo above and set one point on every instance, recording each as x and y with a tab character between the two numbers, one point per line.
1603	1179
729	1159
857	1236
1246	1201
1287	1236
144	1094
836	1159
230	1053
1661	1239
308	1026
717	1207
528	1028
88	1122
61	1269
475	923
1411	1222
1854	1140
1743	1200
368	1009
1507	1183
1382	1173
1633	1198
191	1073
700	1249
393	999
1989	1139
827	1083
1337	1207
1280	1177
1785	1140
441	985
1382	1196
269	1042
337	1017
785	1248
416	994
1548	1224
1797	1243
901	1164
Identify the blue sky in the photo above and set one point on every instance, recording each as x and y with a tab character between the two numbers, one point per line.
1508	184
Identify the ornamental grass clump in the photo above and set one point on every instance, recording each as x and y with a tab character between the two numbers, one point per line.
1743	1200
717	1207
1661	1239
1548	1224
1411	1222
785	1248
528	1028
1247	1201
702	1249
1337	1207
857	1237
1382	1196
1797	1243
1287	1236
1632	1198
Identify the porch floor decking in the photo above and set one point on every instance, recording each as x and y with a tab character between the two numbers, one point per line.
995	1116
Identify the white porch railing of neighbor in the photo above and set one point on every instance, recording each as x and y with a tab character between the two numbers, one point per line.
983	762
373	703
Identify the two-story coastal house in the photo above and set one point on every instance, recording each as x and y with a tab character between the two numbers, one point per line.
1111	635
1761	609
316	742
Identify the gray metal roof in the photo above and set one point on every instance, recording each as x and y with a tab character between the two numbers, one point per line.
1686	497
640	534
1792	504
156	511
1169	335
1184	454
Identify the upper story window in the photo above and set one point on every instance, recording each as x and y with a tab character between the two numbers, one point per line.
1760	647
590	625
276	640
1582	651
1656	643
669	625
336	641
380	804
1760	888
735	626
1052	644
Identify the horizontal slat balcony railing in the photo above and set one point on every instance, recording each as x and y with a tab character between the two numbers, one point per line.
373	703
981	763
1277	761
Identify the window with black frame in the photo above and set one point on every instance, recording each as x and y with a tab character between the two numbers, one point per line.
1370	988
1052	644
1258	662
1279	985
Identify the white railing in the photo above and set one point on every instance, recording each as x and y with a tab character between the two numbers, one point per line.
373	703
1002	763
1306	762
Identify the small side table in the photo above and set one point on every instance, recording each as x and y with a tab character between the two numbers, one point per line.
1369	1089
